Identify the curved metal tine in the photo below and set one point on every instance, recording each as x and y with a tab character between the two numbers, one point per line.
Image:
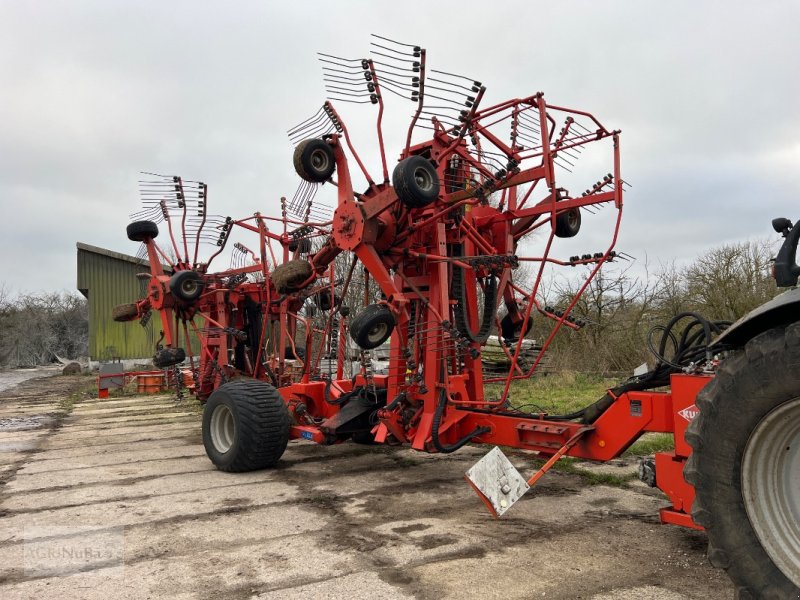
447	91
352	69
380	37
156	175
474	89
358	60
396	88
474	81
555	160
316	131
307	124
351	72
383	79
345	91
527	118
388	66
396	93
326	76
411	54
413	63
337	99
459	104
528	128
313	117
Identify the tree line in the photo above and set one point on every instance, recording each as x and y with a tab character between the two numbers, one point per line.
620	309
41	328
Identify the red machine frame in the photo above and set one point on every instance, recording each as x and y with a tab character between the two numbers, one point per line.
432	265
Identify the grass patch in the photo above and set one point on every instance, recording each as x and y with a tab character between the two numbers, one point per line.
650	443
555	393
570	465
86	390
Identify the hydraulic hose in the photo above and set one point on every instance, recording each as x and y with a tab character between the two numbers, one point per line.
437	421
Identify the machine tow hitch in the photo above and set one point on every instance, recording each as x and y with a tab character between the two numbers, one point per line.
499	484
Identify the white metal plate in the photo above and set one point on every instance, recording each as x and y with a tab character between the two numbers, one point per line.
497	480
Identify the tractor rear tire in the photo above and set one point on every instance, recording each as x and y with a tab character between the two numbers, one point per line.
746	465
169	357
415	182
291	275
314	160
122	313
568	223
141	231
372	326
245	426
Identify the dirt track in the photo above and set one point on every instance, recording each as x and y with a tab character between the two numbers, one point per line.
118	500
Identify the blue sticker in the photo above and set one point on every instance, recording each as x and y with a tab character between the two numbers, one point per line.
307	435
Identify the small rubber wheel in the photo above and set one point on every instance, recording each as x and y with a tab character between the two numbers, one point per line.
124	312
245	426
511	331
415	182
323	300
186	286
291	275
314	160
141	231
168	357
568	223
746	463
372	326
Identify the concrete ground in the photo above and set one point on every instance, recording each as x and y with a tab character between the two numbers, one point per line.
115	498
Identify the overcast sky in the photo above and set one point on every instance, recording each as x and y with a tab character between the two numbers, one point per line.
707	95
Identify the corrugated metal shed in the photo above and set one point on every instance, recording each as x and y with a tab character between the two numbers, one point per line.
107	279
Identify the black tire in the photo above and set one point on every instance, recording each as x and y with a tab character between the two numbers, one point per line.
168	357
314	160
122	313
748	387
513	331
372	326
568	223
141	231
365	438
415	182
259	421
186	286
323	300
291	275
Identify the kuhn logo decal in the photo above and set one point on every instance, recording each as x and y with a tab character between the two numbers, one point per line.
689	413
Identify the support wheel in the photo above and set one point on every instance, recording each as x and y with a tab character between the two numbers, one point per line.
745	466
416	182
568	223
122	313
141	231
186	286
168	357
291	276
314	160
245	426
372	326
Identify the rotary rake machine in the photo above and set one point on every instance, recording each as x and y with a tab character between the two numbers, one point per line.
426	256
